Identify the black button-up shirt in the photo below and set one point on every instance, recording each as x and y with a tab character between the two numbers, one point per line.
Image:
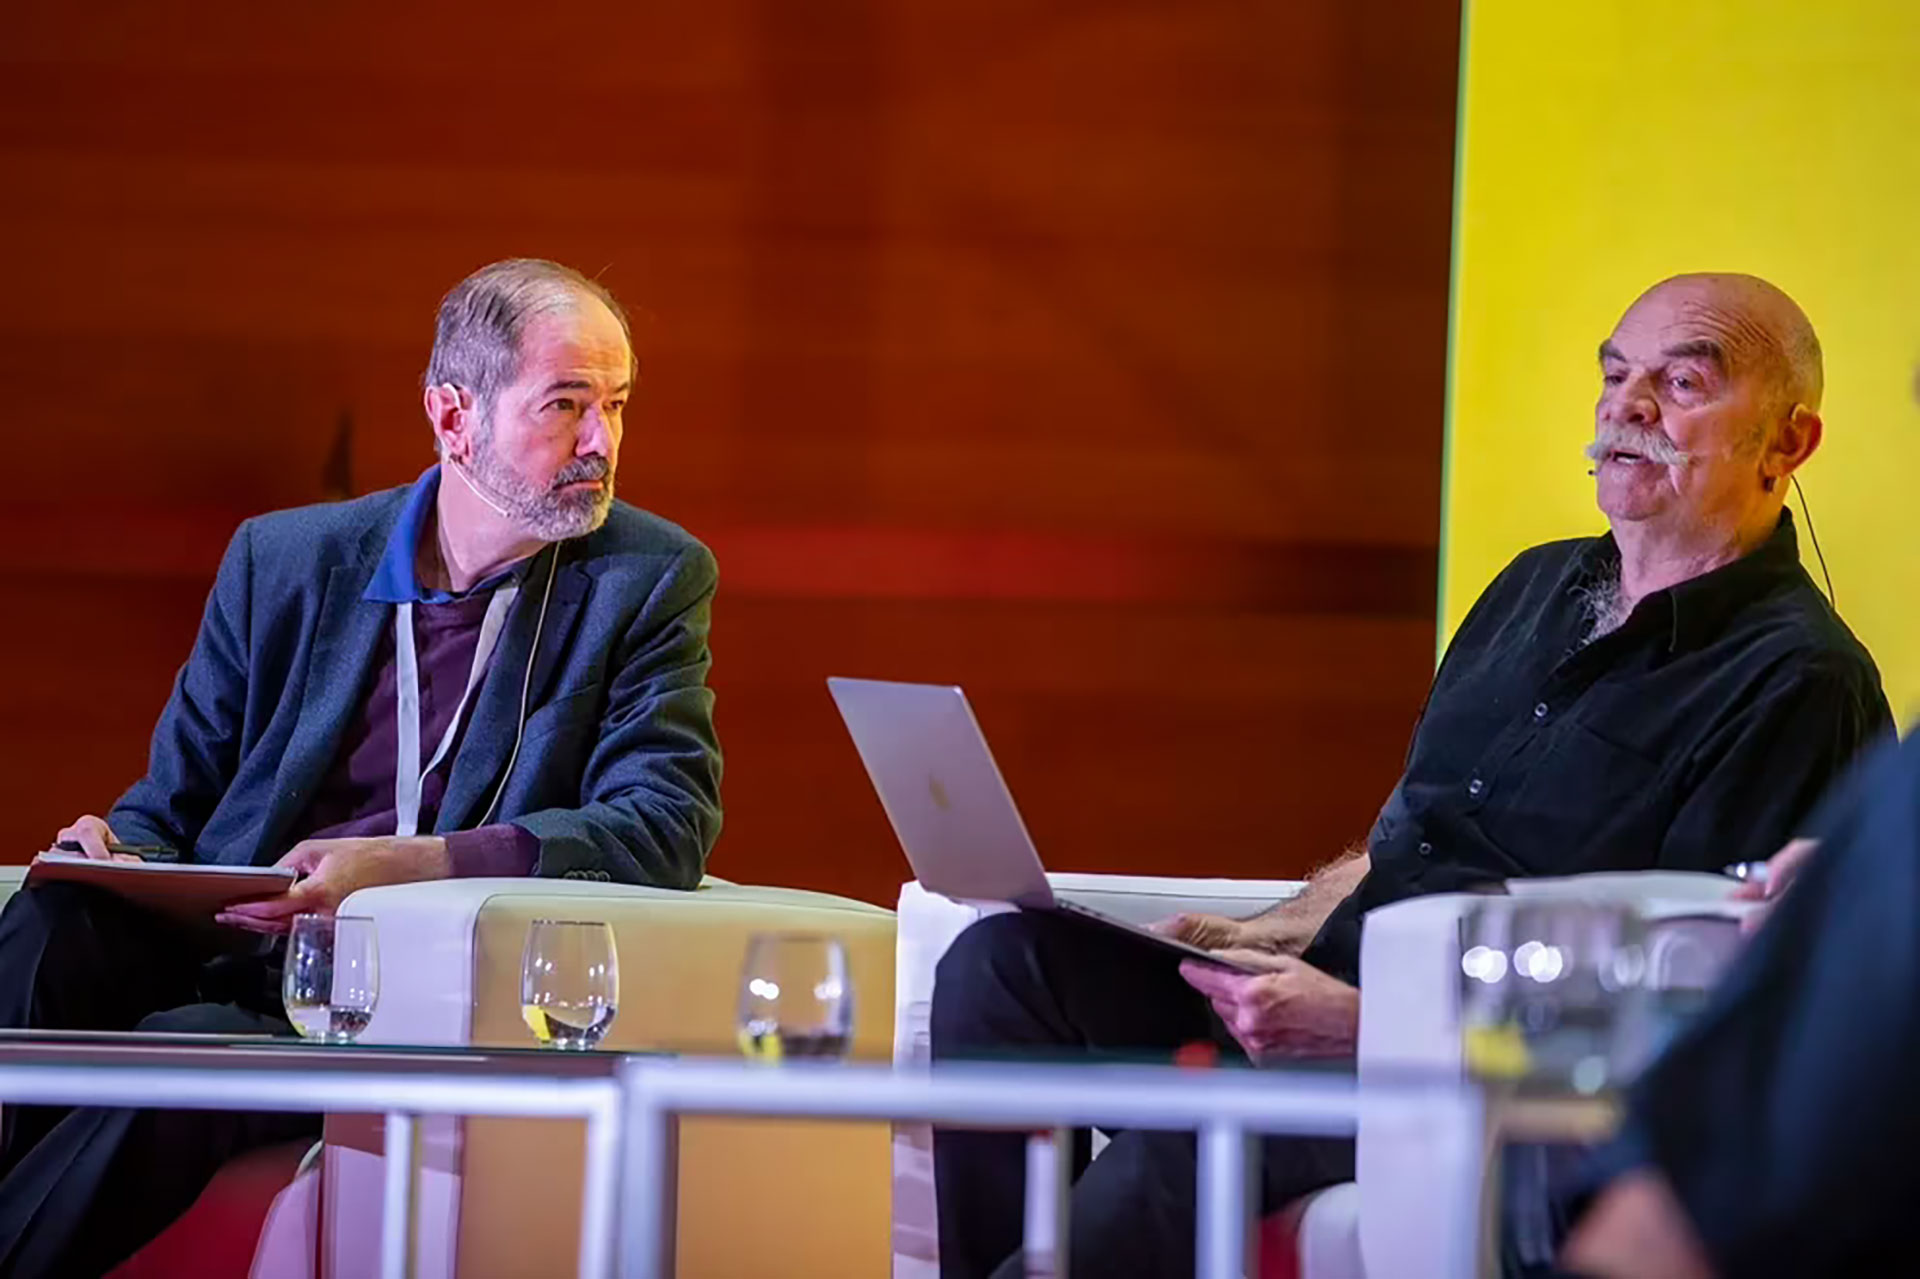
1699	733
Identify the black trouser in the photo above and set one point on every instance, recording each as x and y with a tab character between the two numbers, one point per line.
1034	985
81	1190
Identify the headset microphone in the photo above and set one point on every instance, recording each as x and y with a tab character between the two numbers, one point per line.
460	470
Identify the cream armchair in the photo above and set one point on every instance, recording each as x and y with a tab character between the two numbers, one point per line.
757	1197
1414	1206
928	925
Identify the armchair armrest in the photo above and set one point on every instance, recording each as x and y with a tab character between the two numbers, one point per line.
1421	1179
450	963
458	943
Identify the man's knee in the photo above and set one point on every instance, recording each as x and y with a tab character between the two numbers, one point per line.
45	931
200	1019
36	915
987	975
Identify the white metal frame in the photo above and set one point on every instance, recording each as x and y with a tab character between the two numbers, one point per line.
1228	1108
632	1115
250	1084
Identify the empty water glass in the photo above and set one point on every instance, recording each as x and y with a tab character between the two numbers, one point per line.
569	983
331	981
796	999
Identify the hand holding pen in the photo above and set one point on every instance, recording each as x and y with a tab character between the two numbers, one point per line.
91	837
1766	881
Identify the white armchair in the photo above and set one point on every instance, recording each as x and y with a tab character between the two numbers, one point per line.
504	1194
927	926
1416	1197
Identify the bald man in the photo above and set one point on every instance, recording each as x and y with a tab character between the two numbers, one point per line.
1675	694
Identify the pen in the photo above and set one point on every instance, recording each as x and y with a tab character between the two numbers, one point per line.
145	852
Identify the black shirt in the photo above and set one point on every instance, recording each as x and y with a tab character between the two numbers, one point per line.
1699	733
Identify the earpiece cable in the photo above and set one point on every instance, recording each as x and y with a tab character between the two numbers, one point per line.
1815	538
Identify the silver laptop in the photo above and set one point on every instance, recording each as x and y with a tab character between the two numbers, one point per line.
949	805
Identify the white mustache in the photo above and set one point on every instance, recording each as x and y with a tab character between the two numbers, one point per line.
1651	445
586	468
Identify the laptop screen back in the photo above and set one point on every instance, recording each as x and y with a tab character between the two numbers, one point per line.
940	788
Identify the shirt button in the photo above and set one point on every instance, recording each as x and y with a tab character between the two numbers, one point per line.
1426	849
1475	786
1540	711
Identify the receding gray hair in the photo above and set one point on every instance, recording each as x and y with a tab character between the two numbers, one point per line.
476	339
1805	374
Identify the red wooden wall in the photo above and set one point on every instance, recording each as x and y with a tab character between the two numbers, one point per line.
1087	354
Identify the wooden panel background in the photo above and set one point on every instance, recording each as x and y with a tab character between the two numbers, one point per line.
1087	354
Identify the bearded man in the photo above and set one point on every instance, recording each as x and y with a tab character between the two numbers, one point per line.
499	670
1675	694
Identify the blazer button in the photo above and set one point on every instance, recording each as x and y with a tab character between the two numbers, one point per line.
1540	711
1476	786
1426	849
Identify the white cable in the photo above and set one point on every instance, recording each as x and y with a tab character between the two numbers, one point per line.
461	471
526	685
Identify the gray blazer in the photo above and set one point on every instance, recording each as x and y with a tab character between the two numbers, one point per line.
619	769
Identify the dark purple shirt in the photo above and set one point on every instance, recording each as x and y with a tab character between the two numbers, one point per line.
356	798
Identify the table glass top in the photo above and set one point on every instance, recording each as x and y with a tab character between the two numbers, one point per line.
111	1048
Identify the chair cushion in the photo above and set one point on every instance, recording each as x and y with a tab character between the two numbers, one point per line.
1314	1237
215	1238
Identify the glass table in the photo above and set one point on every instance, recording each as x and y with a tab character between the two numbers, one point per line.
632	1105
1227	1108
206	1072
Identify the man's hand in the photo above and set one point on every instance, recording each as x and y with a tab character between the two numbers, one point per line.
1289	927
1291	1010
1782	869
1269	933
93	835
1637	1229
335	868
1208	932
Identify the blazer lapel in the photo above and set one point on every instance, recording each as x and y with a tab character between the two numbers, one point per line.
495	723
335	680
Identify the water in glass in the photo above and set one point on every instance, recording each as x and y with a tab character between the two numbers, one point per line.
796	999
569	983
1547	988
331	981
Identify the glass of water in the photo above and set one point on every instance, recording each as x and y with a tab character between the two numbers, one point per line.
332	976
1549	988
796	1000
569	983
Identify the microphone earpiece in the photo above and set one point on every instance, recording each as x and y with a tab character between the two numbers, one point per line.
460	469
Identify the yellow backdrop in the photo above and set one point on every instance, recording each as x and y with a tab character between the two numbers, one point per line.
1610	143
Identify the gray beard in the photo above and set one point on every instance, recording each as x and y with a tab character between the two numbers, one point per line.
549	516
1604	605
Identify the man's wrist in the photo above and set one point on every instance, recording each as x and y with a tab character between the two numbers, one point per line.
430	855
1280	934
500	851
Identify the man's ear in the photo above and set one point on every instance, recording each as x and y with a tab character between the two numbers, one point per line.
1799	434
450	413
